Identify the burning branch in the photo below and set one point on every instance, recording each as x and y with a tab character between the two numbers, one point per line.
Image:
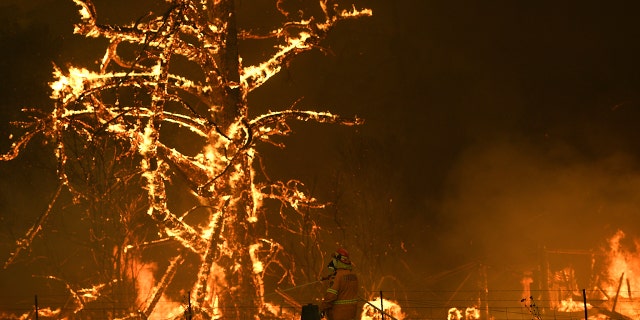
27	240
112	131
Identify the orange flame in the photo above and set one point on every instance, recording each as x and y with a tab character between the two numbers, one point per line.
371	310
468	313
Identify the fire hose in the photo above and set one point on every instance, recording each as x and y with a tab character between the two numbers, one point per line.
289	299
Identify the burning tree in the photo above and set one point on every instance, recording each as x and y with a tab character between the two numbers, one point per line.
144	133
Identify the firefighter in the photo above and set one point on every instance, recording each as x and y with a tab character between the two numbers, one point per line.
341	298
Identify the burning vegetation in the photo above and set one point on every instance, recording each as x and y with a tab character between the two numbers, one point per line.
163	123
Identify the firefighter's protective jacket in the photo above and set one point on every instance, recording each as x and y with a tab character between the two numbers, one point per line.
341	298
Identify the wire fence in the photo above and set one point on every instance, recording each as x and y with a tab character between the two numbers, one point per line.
414	305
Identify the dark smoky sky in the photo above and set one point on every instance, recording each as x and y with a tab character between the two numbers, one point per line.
493	128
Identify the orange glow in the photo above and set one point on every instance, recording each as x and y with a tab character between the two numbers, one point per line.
145	281
390	307
612	286
621	278
571	306
624	264
468	313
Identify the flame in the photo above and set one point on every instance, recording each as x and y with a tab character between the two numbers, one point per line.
613	286
621	278
49	313
371	310
166	309
258	266
571	306
222	174
624	264
146	285
468	313
145	281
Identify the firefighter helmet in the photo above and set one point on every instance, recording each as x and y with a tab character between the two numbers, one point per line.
342	255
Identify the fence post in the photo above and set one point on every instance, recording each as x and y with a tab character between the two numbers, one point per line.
381	306
584	297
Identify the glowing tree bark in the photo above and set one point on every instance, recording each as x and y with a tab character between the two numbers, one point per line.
133	106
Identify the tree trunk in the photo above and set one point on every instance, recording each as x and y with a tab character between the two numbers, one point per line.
236	287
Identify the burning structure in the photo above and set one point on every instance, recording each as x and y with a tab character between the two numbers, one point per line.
161	124
558	285
604	281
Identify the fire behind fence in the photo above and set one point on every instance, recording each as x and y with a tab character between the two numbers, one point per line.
401	305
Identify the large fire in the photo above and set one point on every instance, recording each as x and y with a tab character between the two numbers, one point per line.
621	278
112	127
612	283
603	281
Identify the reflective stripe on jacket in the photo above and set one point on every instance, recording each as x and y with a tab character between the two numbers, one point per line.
342	295
346	301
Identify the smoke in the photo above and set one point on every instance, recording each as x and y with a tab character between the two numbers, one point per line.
508	199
